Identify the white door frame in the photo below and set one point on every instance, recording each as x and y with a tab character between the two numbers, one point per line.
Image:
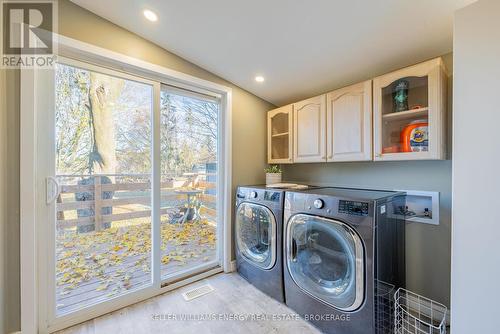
33	286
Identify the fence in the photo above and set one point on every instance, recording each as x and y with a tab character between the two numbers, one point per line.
94	196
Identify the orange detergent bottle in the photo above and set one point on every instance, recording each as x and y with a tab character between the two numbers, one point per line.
415	137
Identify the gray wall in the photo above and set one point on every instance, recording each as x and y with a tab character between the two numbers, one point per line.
249	142
476	182
3	197
428	247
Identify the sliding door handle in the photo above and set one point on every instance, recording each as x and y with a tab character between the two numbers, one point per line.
53	189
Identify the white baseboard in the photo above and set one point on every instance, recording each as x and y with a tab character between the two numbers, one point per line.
233	266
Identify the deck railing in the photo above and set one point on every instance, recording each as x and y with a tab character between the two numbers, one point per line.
94	196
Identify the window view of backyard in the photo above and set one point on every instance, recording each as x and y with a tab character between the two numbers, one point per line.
188	133
104	168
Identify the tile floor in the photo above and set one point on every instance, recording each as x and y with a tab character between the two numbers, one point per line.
233	297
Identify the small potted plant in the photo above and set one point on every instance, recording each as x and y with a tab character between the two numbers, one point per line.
273	174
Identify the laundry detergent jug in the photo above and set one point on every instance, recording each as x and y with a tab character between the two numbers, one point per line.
415	137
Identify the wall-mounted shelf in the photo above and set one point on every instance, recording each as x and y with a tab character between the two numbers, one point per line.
408	114
279	135
423	206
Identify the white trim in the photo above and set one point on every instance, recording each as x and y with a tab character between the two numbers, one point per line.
191	271
89	66
227	103
28	230
184	90
44	82
71	48
34	317
156	188
233	265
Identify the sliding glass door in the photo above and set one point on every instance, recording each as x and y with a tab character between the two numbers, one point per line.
103	168
189	137
130	171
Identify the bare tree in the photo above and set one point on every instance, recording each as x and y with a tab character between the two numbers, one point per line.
103	92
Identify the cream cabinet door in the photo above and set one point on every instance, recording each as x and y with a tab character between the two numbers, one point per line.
349	123
279	135
419	132
309	135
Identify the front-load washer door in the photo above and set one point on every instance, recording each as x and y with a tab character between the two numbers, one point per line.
325	258
256	234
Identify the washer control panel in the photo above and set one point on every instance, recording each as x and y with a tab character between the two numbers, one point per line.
270	197
353	208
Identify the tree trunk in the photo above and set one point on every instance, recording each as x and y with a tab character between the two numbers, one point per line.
103	93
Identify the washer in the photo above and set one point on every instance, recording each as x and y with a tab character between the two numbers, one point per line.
344	257
258	238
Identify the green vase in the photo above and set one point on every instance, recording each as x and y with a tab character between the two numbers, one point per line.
400	96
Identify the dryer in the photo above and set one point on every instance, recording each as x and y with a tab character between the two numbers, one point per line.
344	257
258	238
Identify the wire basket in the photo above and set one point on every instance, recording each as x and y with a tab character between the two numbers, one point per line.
384	306
414	314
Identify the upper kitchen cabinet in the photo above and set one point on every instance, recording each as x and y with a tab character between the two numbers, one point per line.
409	108
349	123
279	135
309	125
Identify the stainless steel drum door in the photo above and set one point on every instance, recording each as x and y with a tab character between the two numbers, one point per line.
325	258
256	234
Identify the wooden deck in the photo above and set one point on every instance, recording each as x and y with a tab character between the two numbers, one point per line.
103	241
95	266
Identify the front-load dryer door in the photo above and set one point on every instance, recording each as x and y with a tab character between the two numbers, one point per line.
325	258
256	234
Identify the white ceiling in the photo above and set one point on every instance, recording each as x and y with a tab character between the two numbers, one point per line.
301	47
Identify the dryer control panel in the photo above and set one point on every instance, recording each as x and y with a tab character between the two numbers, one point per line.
353	208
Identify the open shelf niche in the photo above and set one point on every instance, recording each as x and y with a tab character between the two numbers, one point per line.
280	135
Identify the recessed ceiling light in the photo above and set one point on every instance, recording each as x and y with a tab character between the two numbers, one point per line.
150	15
259	78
